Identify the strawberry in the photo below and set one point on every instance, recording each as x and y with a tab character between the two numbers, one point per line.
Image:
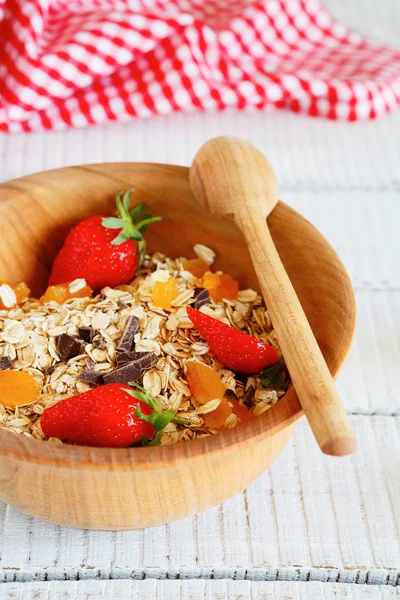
109	416
234	348
104	416
92	252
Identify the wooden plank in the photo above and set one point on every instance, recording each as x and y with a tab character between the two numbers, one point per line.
210	541
128	549
286	489
42	554
194	590
181	542
309	517
369	382
307	153
365	239
71	547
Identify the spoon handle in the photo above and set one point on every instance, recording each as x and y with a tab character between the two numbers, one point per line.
307	367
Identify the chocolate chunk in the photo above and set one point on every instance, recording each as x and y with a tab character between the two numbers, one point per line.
146	361
125	374
242	377
68	346
230	394
201	297
248	396
87	334
127	338
131	371
101	344
5	363
125	357
49	370
92	376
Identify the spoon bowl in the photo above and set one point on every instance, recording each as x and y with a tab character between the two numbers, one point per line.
223	169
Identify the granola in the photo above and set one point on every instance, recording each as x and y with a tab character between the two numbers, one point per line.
30	337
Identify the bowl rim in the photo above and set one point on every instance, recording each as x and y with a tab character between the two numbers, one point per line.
283	414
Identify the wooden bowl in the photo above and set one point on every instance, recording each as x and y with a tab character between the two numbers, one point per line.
100	488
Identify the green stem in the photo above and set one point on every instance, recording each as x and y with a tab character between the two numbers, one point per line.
147	222
180	421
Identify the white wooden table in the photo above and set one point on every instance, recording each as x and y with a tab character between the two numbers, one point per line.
312	526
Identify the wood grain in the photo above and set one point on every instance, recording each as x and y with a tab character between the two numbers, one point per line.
120	489
232	179
194	590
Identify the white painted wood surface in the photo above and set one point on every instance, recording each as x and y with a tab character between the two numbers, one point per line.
194	590
311	518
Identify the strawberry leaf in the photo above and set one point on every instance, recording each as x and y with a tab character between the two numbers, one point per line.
144	225
121	237
136	212
158	419
144	396
126	201
119	205
278	382
133	223
156	441
181	421
161	421
113	223
135	235
138	395
271	376
148	418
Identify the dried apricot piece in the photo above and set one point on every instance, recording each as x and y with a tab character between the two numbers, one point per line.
229	287
12	295
211	281
65	291
55	293
241	411
195	266
79	289
216	419
220	286
22	292
164	293
205	384
18	388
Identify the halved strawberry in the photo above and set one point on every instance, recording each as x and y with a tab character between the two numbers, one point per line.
234	348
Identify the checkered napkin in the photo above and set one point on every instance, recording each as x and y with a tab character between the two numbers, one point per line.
73	63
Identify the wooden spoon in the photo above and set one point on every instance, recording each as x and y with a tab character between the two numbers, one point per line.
231	178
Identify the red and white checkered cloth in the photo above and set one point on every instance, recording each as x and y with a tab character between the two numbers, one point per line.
78	62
